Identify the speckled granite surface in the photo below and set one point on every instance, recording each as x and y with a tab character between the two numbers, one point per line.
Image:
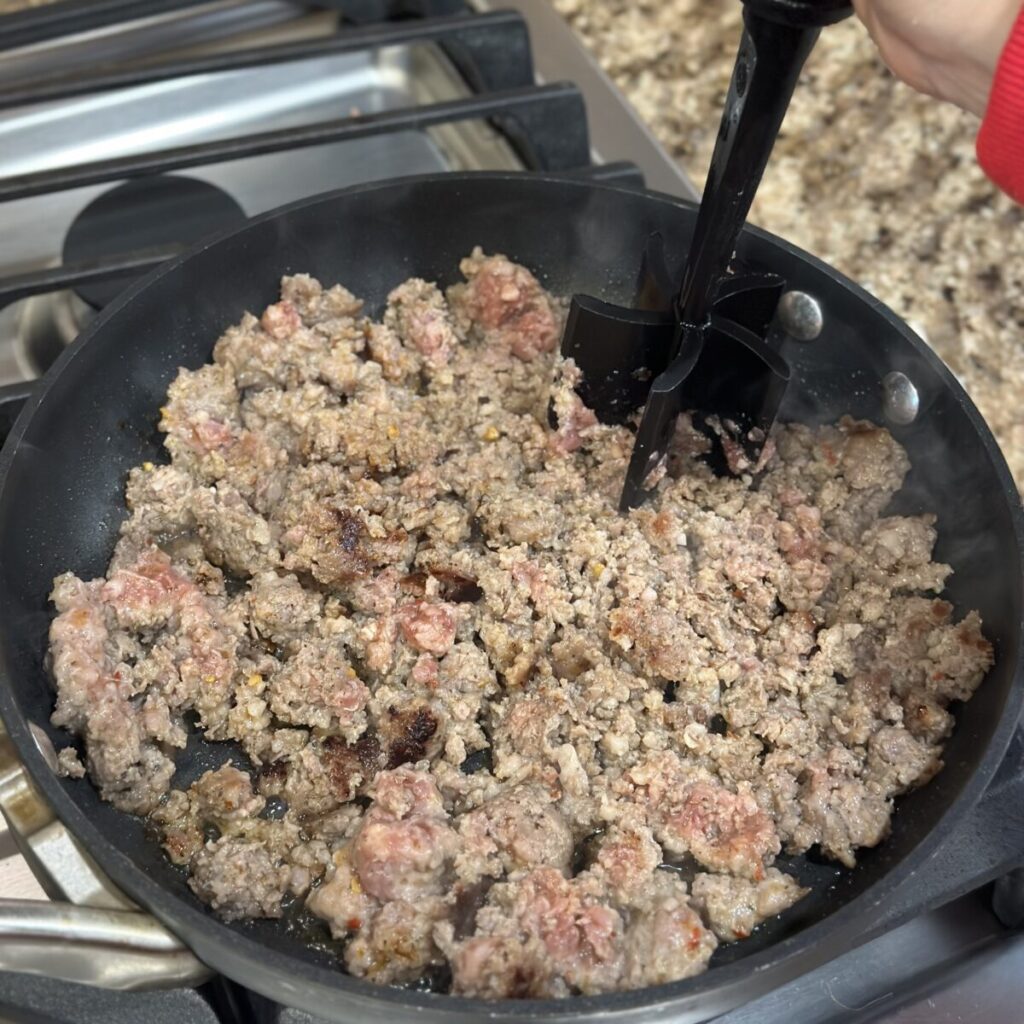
868	175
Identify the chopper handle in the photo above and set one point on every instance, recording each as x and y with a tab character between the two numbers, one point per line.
770	57
801	13
777	37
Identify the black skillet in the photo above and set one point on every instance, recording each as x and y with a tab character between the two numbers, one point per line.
61	501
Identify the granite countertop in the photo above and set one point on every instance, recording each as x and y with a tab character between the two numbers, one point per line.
877	180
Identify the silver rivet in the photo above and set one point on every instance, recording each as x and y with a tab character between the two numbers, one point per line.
800	315
44	745
900	401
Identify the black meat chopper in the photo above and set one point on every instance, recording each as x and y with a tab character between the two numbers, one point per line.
706	349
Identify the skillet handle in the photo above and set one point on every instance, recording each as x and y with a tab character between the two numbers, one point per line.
72	938
113	949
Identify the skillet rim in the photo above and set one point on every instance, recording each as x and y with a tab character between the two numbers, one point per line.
789	957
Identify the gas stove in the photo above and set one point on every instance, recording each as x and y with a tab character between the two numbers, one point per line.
129	128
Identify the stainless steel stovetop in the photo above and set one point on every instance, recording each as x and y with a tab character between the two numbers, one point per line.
201	108
958	963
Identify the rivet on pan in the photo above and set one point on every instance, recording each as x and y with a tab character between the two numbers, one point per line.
900	401
44	745
800	315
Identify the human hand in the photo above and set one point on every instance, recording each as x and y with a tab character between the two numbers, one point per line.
946	48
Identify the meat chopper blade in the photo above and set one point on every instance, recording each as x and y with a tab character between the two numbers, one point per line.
687	354
722	367
621	349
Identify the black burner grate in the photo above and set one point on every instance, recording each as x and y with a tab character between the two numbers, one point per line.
546	125
66	17
493	53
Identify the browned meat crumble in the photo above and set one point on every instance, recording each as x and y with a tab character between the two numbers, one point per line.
374	563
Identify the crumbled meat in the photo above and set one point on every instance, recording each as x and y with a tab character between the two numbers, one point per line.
485	713
419	316
396	944
124	757
280	609
352	767
626	861
506	302
723	830
317	687
666	939
428	627
281	320
239	879
502	967
518	830
573	419
68	765
341	900
733	907
226	795
405	842
410	733
538	936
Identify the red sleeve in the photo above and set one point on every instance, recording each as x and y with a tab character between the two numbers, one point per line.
1000	144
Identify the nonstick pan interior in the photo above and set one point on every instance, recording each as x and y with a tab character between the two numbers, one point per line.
61	502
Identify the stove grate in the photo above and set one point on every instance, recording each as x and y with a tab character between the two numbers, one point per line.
546	125
490	50
66	17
